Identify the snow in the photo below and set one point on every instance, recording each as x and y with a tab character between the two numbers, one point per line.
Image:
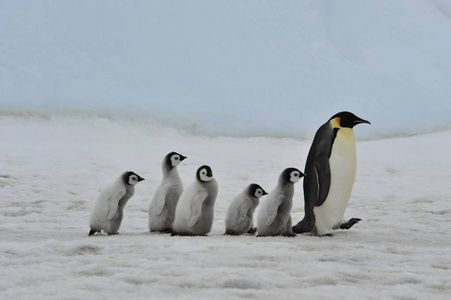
52	169
90	89
238	68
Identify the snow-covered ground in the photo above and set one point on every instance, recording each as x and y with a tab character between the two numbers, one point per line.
81	83
51	171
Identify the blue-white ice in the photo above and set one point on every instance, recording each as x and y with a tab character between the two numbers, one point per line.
233	67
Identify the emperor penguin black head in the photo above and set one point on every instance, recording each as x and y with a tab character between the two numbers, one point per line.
290	175
256	191
204	174
173	159
131	178
348	119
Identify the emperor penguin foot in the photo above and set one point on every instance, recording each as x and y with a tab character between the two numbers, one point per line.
231	232
350	223
290	235
327	234
167	230
252	231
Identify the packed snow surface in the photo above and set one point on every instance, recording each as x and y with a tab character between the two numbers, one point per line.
51	171
90	89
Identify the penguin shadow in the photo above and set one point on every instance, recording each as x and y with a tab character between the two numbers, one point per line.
254	233
247	235
188	234
118	234
169	232
251	232
293	235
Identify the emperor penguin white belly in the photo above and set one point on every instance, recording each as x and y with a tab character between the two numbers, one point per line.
342	164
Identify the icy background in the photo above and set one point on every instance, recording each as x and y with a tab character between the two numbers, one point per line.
238	68
89	89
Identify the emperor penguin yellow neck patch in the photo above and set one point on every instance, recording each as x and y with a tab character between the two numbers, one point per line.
335	123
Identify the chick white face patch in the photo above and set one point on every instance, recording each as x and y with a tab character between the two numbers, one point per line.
295	176
133	179
259	193
203	175
175	160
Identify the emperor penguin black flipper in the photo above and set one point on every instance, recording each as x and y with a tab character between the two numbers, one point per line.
330	173
323	178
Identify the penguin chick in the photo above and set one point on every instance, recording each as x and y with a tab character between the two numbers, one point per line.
240	214
274	217
164	201
194	212
108	209
332	162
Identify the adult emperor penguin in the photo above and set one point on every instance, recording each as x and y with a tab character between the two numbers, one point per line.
240	214
274	216
164	201
108	209
194	212
330	173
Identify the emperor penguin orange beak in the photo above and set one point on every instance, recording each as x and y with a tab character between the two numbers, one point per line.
362	121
